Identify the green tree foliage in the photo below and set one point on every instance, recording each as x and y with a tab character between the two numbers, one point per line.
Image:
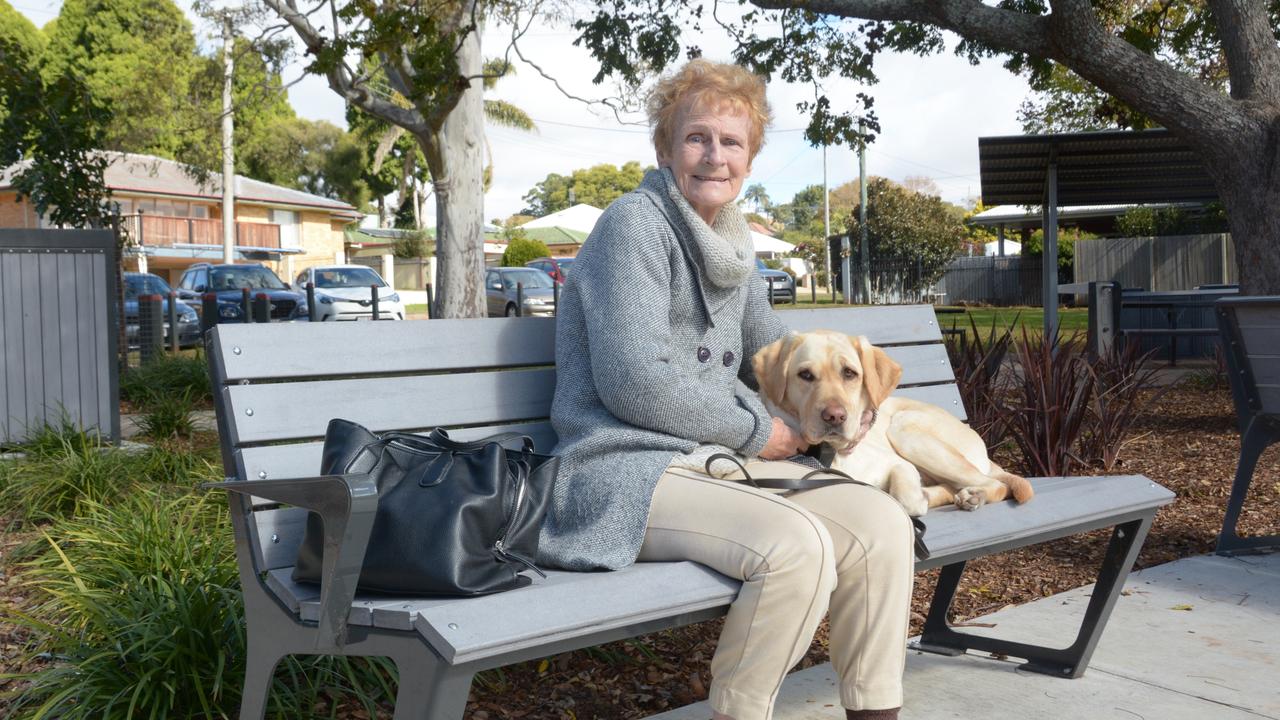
596	186
1067	238
521	250
137	57
24	43
54	124
1144	221
977	235
909	228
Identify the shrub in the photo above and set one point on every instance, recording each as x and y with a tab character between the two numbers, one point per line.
521	250
138	603
167	376
976	363
1118	378
1049	403
168	416
412	245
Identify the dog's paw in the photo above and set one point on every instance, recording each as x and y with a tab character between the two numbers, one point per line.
970	499
915	506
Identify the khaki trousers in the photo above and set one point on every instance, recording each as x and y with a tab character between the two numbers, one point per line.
846	547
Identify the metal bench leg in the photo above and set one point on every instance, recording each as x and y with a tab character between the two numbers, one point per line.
260	667
430	689
1069	662
1253	442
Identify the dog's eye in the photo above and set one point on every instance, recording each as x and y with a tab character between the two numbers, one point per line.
850	373
806	376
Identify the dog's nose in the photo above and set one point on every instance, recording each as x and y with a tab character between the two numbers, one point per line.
834	415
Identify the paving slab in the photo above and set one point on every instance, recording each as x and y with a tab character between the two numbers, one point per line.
1195	639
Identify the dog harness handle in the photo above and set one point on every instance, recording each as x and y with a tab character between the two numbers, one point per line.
812	481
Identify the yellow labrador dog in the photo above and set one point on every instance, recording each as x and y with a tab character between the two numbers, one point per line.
834	388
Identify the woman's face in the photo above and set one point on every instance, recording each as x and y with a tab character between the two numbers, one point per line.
709	156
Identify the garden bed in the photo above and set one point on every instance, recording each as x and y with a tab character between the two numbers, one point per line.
1187	441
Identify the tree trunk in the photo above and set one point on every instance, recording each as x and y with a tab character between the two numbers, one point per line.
457	176
1249	187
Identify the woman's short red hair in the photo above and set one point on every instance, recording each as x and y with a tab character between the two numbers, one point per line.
700	83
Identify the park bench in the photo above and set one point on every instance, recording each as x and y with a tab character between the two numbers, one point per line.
277	386
1250	328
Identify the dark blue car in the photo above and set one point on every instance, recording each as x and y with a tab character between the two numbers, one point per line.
136	284
228	283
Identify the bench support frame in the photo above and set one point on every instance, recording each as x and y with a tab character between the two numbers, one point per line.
1261	432
1069	662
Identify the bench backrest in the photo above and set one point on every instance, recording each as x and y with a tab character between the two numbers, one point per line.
1250	328
276	387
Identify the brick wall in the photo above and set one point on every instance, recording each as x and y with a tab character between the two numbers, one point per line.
14	214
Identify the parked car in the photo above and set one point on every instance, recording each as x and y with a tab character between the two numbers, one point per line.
227	282
557	268
784	286
345	292
536	286
135	284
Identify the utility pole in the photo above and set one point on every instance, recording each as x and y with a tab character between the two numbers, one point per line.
864	251
228	149
826	218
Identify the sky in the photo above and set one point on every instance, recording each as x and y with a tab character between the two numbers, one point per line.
932	111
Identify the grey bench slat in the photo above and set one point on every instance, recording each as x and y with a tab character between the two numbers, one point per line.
303	459
946	397
283	350
287	411
883	325
568	605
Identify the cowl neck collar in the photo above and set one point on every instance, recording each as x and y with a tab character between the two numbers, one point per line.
723	251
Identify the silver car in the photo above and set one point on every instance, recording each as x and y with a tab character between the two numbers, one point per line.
536	287
345	292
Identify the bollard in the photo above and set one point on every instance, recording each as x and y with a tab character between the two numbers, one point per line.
770	281
430	301
795	292
246	312
261	308
374	289
208	312
813	289
173	321
555	298
312	313
150	328
519	299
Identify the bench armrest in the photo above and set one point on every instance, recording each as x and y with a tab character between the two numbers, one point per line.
346	505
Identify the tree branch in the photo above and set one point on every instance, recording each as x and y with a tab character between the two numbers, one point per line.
1253	59
357	93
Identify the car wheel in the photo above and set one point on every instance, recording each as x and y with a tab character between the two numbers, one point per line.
511	310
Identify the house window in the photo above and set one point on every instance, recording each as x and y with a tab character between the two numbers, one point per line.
288	222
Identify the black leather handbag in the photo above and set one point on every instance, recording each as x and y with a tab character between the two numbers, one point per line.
812	481
453	518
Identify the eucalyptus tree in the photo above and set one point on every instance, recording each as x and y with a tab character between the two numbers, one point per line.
1209	70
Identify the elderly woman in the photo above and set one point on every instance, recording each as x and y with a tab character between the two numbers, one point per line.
657	325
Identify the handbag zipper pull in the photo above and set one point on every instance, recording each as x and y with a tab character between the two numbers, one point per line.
500	548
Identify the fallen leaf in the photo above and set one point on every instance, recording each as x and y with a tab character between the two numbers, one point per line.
1182	607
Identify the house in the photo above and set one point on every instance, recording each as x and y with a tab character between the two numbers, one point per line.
174	220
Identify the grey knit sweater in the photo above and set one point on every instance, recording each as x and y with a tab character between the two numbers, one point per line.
652	360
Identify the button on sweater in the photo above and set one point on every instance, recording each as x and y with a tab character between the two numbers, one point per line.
639	317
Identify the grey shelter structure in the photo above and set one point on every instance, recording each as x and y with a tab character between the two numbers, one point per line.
1090	168
58	332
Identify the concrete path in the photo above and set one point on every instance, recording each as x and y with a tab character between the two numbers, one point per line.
203	419
1196	639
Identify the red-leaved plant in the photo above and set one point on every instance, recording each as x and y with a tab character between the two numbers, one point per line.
976	361
1119	376
1048	406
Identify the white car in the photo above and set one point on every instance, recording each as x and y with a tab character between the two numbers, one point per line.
345	292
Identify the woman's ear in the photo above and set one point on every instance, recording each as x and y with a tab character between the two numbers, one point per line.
880	374
771	366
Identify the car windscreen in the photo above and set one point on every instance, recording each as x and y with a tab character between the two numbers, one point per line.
529	278
135	285
360	277
564	265
246	276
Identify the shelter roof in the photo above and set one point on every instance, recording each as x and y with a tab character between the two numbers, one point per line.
1093	168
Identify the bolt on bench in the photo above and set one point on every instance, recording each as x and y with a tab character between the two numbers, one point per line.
276	388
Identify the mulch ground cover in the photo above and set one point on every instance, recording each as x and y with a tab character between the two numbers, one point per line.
1187	442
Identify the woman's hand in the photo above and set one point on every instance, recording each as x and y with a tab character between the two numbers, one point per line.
783	442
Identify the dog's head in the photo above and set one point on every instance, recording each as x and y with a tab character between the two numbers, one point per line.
829	382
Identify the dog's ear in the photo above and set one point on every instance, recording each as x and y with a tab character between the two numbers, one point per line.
880	374
771	365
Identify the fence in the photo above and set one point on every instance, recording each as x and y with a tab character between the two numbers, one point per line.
58	331
1004	281
1181	262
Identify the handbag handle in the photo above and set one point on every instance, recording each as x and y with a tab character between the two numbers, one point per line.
811	481
439	440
